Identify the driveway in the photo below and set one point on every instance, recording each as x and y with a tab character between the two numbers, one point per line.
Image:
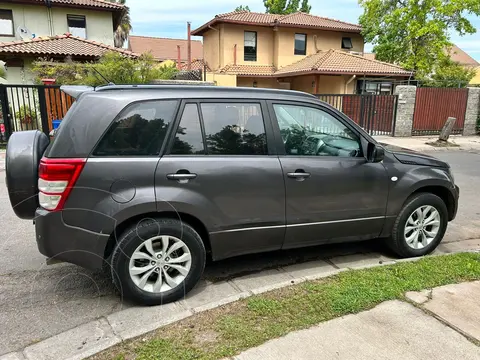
37	301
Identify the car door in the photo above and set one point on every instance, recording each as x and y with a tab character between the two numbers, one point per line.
332	192
218	169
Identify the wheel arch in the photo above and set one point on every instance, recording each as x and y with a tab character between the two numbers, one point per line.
443	193
191	220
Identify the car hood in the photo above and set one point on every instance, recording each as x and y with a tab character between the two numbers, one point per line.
407	156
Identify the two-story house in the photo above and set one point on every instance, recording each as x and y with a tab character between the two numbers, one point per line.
297	51
55	29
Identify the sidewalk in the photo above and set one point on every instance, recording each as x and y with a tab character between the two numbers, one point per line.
418	143
443	324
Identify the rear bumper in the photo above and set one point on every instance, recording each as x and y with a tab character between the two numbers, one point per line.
57	240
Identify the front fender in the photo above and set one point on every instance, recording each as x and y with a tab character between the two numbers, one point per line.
411	179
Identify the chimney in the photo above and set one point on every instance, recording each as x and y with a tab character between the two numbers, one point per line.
235	54
179	58
189	54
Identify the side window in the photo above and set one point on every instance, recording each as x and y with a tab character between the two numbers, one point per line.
77	25
6	22
139	130
313	132
189	139
234	129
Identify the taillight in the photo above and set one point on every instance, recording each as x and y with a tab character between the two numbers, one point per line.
56	178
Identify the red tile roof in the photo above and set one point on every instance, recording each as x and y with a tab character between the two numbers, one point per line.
63	45
461	57
249	70
299	19
164	48
98	4
324	62
341	62
197	64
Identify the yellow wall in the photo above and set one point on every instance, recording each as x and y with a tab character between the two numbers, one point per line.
234	34
476	79
210	48
327	84
222	79
35	18
325	40
269	83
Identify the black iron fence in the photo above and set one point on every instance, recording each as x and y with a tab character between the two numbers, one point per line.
375	113
31	107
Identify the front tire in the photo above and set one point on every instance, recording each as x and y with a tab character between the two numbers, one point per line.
158	261
420	226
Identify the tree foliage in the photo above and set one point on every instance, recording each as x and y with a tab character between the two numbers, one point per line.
448	73
415	33
242	8
286	6
125	26
113	66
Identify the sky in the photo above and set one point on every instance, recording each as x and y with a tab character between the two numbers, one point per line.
161	18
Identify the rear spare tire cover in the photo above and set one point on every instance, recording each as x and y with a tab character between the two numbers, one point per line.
24	151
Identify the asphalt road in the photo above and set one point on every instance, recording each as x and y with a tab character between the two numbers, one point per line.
38	301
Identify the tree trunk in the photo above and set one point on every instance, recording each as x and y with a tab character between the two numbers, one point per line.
447	129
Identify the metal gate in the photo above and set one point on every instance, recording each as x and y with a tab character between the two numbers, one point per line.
375	113
434	105
31	107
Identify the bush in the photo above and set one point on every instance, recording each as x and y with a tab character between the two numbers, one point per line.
112	67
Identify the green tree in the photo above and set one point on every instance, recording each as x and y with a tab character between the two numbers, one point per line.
242	8
448	73
125	25
286	6
415	33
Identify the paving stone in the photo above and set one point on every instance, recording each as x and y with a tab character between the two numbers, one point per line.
78	343
262	279
418	297
311	268
206	292
358	260
458	305
393	330
139	320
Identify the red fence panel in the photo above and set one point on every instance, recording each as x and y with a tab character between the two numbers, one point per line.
434	105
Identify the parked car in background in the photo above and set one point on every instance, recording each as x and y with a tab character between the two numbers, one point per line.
149	181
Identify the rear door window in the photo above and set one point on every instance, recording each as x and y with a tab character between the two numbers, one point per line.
188	138
234	129
139	130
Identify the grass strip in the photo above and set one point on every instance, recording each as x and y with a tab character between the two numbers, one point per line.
230	329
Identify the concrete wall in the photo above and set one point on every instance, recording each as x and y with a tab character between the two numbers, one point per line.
405	109
20	75
211	41
222	79
269	83
36	19
473	111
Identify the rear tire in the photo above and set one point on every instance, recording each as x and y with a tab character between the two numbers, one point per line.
157	261
424	214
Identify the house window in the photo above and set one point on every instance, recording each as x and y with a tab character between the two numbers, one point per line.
6	23
77	25
374	87
347	43
250	46
300	44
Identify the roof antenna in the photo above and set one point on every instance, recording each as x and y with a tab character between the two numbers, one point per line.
103	77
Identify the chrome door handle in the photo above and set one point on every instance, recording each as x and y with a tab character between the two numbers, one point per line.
181	176
298	175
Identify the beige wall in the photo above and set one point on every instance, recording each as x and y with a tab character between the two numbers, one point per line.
325	40
234	34
222	79
36	19
273	47
270	83
210	48
21	75
327	84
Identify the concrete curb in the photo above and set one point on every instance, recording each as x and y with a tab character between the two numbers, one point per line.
90	338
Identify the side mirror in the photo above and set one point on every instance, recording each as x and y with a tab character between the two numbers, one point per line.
376	153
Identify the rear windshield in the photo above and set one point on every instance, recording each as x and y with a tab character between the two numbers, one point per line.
67	116
139	130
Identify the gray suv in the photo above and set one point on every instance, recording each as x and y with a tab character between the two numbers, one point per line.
147	181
